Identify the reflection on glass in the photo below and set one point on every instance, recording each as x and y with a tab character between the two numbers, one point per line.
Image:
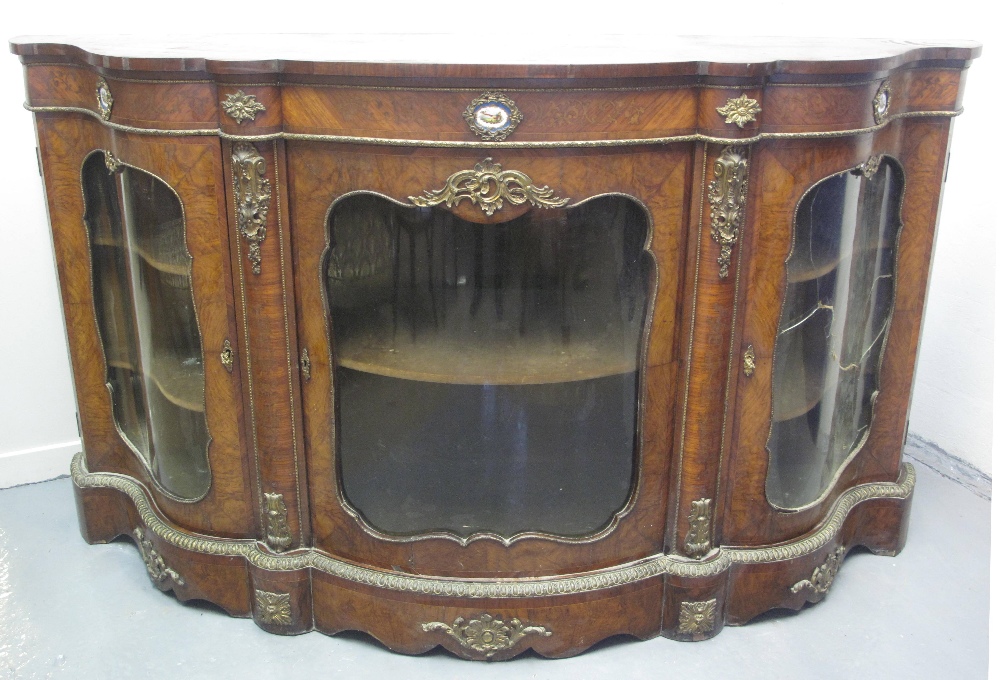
833	326
486	375
146	317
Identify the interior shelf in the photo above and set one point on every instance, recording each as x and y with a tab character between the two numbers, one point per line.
164	248
522	361
181	380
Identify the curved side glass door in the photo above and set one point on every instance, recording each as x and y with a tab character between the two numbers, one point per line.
834	321
486	376
146	318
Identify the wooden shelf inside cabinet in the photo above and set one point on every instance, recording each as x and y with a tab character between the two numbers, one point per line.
434	358
164	248
181	380
801	271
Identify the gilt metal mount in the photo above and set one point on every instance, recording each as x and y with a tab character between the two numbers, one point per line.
486	634
488	185
241	106
741	110
253	198
727	195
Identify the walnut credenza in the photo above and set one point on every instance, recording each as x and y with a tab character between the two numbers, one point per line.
494	357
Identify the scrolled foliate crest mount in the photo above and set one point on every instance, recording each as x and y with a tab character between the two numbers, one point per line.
488	185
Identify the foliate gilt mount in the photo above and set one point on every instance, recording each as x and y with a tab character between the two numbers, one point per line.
741	110
279	536
241	106
274	608
822	577
488	186
697	618
253	198
698	540
155	566
486	635
727	195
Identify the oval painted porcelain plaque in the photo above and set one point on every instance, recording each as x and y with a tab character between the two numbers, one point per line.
492	116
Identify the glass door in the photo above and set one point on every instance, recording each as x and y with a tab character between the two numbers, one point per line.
486	375
145	314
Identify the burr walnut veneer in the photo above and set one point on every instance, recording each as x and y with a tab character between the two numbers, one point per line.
606	338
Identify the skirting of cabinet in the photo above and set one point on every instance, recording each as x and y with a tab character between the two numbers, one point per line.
679	598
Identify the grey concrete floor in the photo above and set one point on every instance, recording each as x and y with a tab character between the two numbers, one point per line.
69	610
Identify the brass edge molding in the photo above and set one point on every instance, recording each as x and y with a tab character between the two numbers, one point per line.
727	194
486	634
657	565
273	608
697	618
444	144
279	536
253	199
488	185
741	110
242	107
698	540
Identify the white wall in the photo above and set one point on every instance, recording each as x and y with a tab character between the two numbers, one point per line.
953	399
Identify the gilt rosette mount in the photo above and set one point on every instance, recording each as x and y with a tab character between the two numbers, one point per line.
741	110
241	106
486	634
488	185
492	116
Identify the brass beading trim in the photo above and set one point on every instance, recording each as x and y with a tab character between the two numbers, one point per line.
447	144
672	565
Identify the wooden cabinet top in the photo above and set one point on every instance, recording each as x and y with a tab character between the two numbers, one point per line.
472	56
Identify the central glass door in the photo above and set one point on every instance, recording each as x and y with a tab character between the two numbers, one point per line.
487	375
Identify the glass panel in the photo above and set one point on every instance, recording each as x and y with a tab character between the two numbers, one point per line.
113	303
833	326
146	316
487	375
